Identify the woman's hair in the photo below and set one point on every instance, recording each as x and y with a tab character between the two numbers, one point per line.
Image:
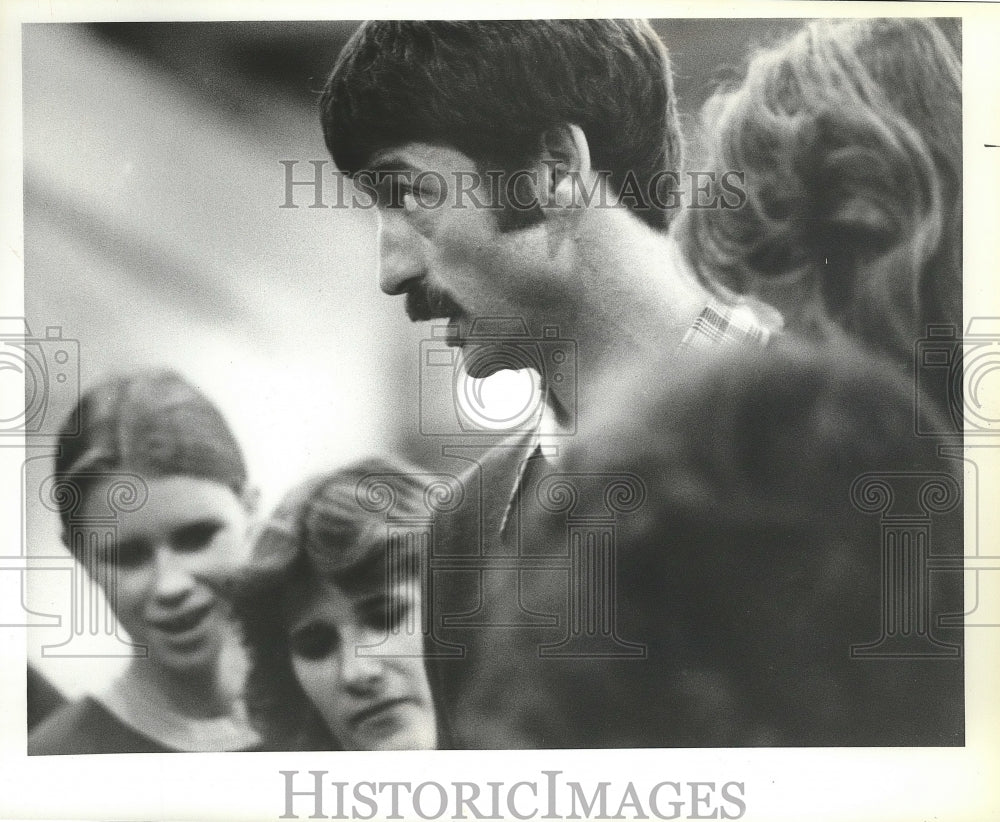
748	573
153	422
331	527
850	138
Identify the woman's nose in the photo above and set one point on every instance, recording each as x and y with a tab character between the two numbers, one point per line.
172	579
362	669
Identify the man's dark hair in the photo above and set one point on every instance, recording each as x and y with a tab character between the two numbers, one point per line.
491	89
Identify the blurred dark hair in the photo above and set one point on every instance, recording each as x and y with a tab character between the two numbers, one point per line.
492	88
332	527
153	422
850	136
748	573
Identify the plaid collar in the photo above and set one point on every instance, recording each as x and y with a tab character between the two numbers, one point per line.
721	324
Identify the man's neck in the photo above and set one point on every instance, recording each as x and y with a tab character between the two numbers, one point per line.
637	301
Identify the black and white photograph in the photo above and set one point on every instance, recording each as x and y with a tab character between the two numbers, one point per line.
563	416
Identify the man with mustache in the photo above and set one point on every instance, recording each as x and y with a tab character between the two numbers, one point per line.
525	174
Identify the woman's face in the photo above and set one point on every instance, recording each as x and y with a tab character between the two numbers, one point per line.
359	659
187	528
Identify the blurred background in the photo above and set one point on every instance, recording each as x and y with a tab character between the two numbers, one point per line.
155	235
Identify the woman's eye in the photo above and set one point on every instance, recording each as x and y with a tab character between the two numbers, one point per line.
314	642
131	553
387	614
196	536
399	610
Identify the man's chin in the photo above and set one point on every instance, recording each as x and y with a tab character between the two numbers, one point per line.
454	338
484	353
480	361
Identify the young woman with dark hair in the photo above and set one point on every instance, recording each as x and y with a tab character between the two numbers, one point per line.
331	610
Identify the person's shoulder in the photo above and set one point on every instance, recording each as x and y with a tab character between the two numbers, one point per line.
488	480
65	730
85	726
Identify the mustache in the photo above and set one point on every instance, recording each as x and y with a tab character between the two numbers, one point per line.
427	303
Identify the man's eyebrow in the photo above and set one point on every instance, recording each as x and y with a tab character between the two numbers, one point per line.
390	164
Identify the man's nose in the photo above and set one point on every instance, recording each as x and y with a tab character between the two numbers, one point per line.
401	253
173	580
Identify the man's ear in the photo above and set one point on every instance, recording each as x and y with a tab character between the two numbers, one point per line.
565	161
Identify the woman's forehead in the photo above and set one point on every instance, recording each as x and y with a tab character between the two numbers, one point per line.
164	502
321	599
314	598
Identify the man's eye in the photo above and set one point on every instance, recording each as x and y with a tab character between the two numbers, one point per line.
196	536
314	642
392	190
131	553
